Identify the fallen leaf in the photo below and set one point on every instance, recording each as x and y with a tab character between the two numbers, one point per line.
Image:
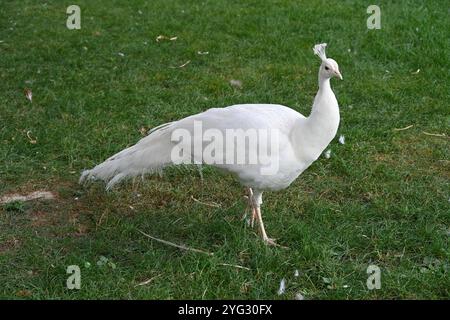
143	131
245	287
29	95
23	293
236	83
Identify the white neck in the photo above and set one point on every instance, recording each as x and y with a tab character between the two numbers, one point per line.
325	103
321	126
324	117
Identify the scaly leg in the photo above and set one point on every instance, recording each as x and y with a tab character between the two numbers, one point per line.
250	202
266	239
257	201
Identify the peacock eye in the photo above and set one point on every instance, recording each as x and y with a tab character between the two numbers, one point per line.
326	68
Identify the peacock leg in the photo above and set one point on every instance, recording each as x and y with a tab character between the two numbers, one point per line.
252	207
257	201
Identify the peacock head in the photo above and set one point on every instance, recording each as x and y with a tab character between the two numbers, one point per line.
329	67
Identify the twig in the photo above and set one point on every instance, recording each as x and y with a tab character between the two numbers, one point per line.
211	204
175	245
32	141
162	37
405	128
434	134
147	281
100	221
183	65
28	197
235	266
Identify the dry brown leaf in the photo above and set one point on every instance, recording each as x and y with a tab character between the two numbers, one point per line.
23	293
143	131
29	94
236	83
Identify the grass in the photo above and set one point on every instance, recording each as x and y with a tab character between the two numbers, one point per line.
382	198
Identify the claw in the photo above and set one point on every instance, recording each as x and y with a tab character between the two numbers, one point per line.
271	242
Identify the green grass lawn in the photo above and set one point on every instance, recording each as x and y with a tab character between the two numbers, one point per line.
382	198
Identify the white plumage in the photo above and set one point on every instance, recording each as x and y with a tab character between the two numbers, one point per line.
301	140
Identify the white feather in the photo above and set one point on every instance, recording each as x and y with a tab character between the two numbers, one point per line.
282	287
301	142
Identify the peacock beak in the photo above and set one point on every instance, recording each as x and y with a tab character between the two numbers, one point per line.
338	74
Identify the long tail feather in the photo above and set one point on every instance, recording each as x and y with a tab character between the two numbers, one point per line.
149	155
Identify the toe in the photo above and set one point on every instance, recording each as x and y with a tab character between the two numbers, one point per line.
271	242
